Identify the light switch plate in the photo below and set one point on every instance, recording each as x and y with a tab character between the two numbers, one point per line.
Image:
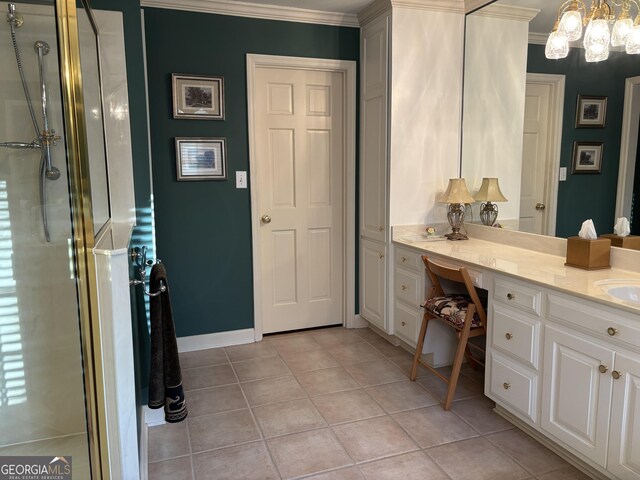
563	174
241	179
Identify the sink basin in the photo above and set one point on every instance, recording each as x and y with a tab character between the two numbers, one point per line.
625	290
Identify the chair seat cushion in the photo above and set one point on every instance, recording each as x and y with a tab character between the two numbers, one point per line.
452	309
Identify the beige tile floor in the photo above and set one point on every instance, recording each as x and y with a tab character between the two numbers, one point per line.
336	404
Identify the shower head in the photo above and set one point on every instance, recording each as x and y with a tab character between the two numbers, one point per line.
12	17
40	45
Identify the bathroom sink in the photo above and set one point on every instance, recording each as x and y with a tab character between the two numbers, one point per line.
625	290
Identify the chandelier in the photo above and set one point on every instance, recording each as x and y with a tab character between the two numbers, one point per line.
573	17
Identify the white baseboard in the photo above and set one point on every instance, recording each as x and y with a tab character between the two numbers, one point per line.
357	322
215	340
143	454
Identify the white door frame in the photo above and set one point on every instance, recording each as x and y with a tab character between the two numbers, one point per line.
628	146
556	107
348	69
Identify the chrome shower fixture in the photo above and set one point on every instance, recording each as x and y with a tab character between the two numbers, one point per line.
13	18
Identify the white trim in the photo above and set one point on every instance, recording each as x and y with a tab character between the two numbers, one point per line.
255	10
452	6
509	12
472	5
215	340
348	69
358	322
153	416
557	83
628	147
143	453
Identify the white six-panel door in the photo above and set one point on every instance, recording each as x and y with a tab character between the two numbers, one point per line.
299	157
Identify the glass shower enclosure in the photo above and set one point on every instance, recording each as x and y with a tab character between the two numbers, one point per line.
53	198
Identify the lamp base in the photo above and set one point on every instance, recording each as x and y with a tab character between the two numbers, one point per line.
456	236
488	213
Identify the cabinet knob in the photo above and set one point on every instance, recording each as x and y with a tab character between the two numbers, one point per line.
616	375
404	324
506	385
603	368
381	255
380	228
508	336
612	331
404	259
511	296
404	287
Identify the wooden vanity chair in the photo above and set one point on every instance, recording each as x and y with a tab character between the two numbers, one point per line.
463	312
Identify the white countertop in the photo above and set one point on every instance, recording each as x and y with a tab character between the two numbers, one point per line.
541	268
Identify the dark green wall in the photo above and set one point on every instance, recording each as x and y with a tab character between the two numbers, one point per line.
585	196
142	234
204	228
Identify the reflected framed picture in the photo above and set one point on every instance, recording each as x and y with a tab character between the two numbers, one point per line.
201	158
587	157
591	111
198	96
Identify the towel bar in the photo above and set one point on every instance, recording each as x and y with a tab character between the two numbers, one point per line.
139	257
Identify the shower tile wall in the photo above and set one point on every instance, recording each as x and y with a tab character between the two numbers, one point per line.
41	385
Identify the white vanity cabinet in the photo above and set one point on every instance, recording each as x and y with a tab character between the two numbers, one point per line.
408	295
373	283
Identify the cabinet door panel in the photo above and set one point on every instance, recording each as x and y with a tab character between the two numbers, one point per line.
373	282
576	395
624	443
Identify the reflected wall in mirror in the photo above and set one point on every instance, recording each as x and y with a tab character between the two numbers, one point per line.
519	122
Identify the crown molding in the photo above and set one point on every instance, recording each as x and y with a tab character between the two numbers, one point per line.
373	11
254	10
509	12
471	5
380	7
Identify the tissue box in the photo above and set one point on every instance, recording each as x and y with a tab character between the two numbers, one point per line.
588	254
630	241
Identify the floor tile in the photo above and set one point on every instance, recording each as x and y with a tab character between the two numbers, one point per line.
273	390
366	333
168	441
309	361
567	473
288	417
251	350
374	438
307	453
212	376
215	400
384	347
529	453
476	375
347	406
301	343
328	380
259	368
375	373
222	430
350	473
410	466
243	462
335	337
476	459
399	396
465	388
404	361
354	353
478	411
174	469
434	426
203	358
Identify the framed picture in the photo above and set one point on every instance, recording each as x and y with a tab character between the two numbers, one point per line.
201	158
591	111
196	96
587	157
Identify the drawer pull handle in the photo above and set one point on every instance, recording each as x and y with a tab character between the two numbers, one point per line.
511	296
616	375
381	255
380	228
404	324
404	287
612	331
404	259
506	385
603	368
508	336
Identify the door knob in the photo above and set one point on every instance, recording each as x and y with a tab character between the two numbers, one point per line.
266	218
540	206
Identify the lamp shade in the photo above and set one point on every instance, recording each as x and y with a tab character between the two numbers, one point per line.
490	191
456	192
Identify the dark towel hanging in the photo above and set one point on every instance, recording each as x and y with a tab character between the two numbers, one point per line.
165	379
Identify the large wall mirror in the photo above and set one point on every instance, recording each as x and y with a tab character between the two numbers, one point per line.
521	125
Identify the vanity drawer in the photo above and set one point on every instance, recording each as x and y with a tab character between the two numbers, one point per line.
407	287
407	323
517	296
476	276
609	324
409	259
513	387
516	334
